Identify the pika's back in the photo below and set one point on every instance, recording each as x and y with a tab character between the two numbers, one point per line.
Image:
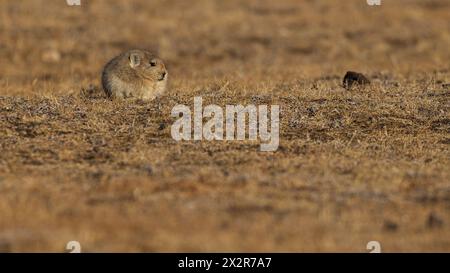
135	73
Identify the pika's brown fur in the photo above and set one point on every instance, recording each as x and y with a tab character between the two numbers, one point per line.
135	74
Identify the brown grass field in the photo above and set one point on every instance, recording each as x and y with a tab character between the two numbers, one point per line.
371	163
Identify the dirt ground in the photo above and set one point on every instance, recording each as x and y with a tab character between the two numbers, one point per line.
353	166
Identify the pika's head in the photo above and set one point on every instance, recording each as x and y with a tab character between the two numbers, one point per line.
147	65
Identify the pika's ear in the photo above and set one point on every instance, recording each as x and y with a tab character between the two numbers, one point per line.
135	60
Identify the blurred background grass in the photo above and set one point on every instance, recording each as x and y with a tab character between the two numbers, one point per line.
352	167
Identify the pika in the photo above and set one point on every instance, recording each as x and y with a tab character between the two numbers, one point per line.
135	74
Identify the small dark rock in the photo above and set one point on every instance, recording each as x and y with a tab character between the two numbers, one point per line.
434	221
390	225
351	78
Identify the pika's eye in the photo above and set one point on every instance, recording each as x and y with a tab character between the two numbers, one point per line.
152	63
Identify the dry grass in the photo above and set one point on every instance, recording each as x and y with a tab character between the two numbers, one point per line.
353	166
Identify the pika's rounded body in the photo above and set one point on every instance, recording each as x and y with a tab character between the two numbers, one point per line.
135	74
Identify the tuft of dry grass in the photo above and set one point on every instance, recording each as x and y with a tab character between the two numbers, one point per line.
353	166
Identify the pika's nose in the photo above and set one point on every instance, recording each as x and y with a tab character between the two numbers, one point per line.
163	76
